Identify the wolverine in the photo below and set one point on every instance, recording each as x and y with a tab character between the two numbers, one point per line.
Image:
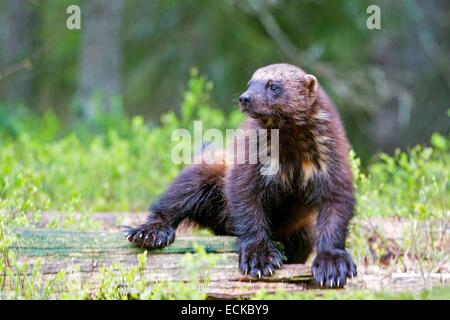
306	204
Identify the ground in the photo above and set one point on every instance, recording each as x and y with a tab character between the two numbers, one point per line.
102	264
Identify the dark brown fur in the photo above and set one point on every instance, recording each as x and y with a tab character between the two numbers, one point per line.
307	205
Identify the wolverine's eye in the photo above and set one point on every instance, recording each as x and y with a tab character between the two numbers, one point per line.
274	88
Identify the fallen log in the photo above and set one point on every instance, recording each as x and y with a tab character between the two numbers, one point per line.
82	254
42	242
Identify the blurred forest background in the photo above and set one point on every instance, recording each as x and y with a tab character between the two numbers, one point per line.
134	57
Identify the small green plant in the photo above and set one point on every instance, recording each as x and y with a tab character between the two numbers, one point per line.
412	186
118	282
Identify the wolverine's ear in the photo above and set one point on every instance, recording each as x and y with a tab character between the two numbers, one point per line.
310	83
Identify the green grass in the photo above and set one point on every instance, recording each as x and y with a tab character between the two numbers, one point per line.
111	163
117	163
437	293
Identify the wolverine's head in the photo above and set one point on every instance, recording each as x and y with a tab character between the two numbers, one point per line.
279	91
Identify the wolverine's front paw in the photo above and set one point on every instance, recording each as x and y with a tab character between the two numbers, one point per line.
259	260
151	235
331	268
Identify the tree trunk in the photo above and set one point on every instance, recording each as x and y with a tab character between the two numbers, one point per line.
101	55
17	46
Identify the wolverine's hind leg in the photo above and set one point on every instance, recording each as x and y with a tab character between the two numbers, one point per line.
197	194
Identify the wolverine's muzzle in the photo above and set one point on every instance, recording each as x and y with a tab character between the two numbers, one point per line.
245	98
245	101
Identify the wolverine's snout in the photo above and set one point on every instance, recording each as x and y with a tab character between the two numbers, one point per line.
245	101
245	98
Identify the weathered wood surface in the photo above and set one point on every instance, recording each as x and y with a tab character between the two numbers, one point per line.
82	254
42	242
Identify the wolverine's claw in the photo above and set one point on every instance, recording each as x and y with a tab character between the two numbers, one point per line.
259	262
332	268
152	235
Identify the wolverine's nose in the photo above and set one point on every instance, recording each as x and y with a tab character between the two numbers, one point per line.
245	98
